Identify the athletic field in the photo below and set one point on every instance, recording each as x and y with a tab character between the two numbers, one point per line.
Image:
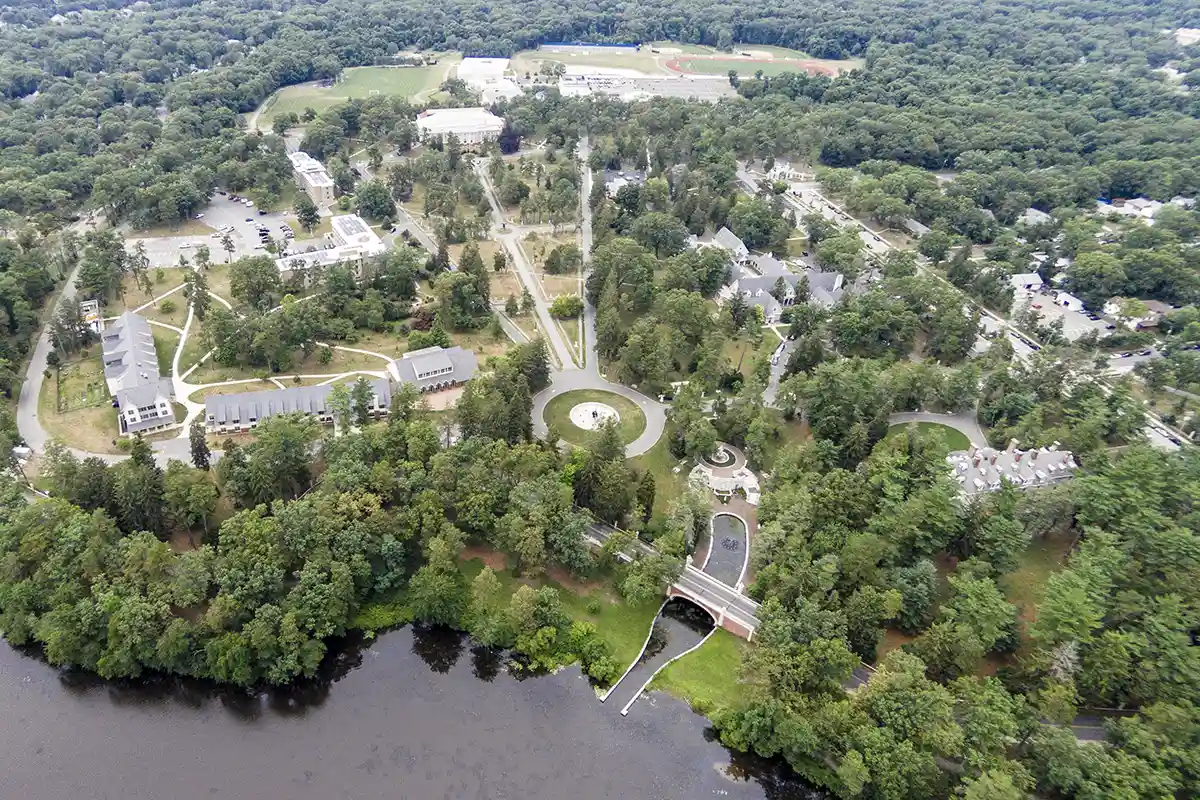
357	82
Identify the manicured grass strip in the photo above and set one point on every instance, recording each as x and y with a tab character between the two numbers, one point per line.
558	415
708	677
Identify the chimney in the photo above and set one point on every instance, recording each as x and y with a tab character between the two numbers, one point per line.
1012	445
1018	458
975	462
993	458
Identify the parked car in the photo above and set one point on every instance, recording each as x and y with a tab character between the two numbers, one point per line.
1124	355
249	203
185	245
198	216
262	213
1146	353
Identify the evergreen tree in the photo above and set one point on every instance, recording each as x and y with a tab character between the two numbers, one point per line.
201	455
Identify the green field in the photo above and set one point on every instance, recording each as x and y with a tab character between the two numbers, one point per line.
955	440
707	678
558	414
356	82
743	67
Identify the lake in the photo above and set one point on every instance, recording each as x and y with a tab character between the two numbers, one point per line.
418	713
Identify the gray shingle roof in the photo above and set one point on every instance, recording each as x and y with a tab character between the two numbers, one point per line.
129	355
726	239
432	366
254	407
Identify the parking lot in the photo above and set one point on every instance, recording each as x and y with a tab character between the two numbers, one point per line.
221	212
1075	323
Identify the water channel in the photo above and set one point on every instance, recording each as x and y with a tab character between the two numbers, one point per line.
418	713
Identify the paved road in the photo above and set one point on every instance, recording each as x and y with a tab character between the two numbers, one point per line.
728	550
963	423
509	238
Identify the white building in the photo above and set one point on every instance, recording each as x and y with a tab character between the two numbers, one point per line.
1029	281
351	242
1138	207
312	177
1031	217
1068	301
487	76
472	126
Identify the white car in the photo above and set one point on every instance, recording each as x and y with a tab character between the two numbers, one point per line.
249	203
185	245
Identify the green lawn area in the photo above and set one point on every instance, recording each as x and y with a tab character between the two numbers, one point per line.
92	427
623	627
742	353
744	67
680	46
955	440
165	342
707	678
668	485
632	420
355	82
1024	586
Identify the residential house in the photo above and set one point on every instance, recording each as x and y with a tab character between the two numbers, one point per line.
915	228
1155	311
726	240
142	396
1032	217
432	369
232	413
758	289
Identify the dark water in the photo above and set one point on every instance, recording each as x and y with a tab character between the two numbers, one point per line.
419	713
679	626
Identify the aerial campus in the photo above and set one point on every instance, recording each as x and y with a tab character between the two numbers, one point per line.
702	373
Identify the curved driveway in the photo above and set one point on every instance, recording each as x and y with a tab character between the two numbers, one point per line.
966	424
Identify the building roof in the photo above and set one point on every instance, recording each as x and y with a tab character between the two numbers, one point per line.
440	121
311	171
1026	279
915	228
355	241
726	239
769	266
1033	216
351	229
254	407
130	358
981	469
434	365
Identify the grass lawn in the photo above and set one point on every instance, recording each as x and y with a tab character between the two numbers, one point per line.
668	484
558	414
743	67
707	678
681	47
93	429
482	342
955	440
165	342
742	353
324	226
233	388
1024	586
342	361
613	57
623	627
355	82
190	227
